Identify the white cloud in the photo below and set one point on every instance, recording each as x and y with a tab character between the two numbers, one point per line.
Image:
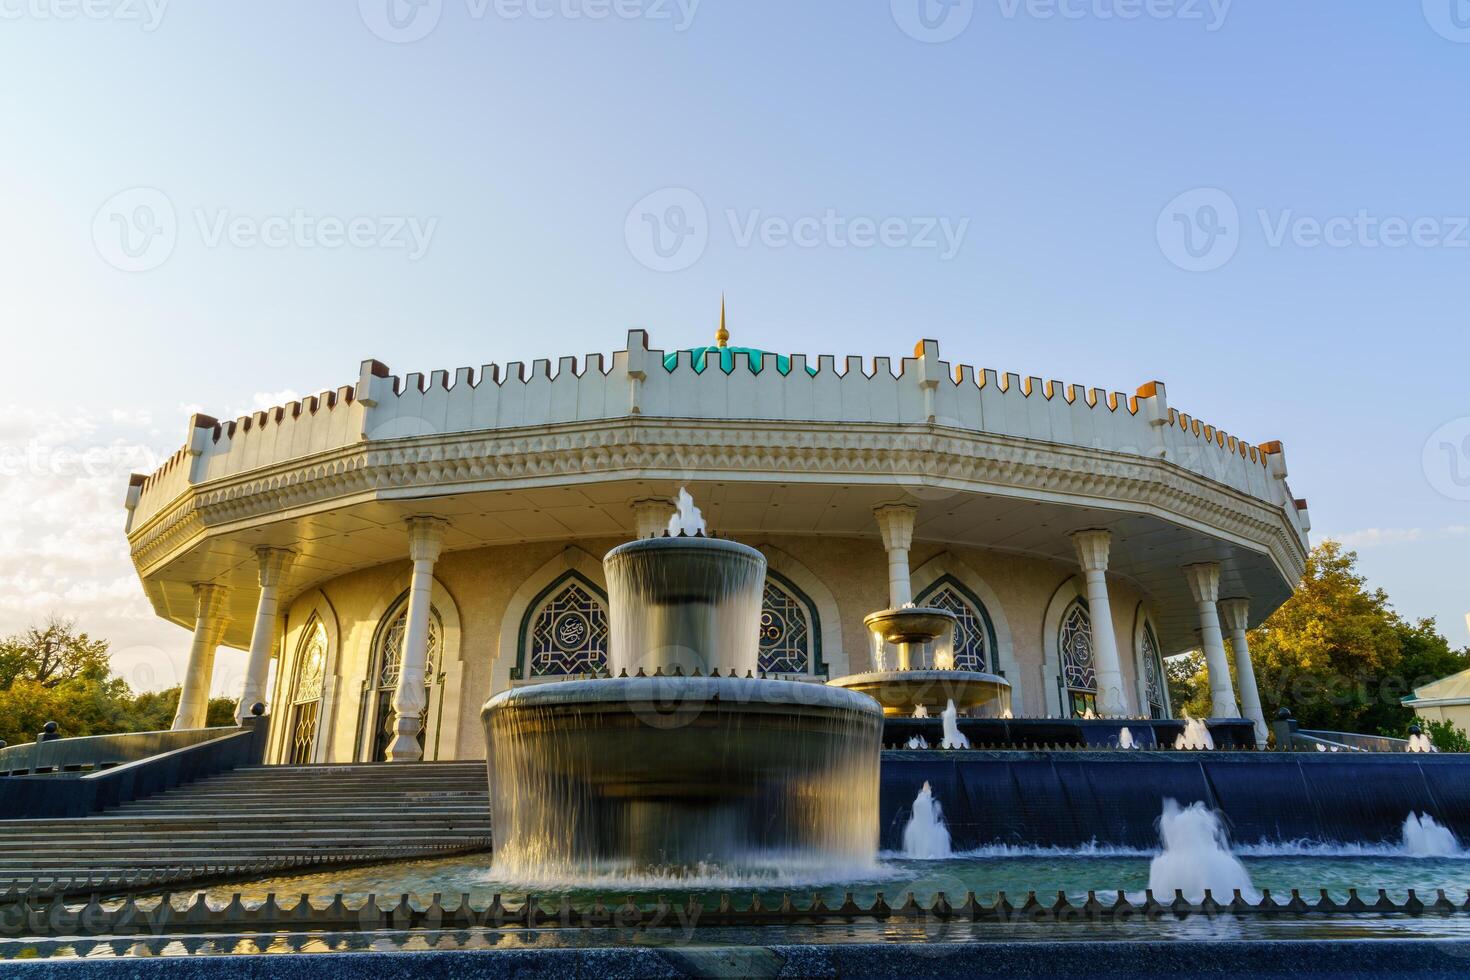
63	478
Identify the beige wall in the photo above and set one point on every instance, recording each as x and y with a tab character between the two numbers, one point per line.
1456	714
482	594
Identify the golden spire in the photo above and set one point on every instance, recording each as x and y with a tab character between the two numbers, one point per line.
722	336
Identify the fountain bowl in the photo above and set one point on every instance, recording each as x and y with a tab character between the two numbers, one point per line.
669	772
900	692
910	624
687	603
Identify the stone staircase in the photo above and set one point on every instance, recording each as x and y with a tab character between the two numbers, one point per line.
254	820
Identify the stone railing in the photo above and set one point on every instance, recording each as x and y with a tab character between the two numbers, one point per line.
32	797
63	755
21	915
923	391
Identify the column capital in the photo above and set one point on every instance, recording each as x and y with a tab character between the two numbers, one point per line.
1235	613
426	537
209	603
651	516
896	524
1093	547
273	564
1204	580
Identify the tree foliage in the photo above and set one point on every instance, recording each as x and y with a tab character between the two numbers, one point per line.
1336	654
52	654
54	673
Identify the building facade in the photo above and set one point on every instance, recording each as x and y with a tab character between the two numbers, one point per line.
402	549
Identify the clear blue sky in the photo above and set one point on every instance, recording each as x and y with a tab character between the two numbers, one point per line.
523	142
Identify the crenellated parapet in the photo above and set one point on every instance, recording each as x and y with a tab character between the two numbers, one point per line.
923	391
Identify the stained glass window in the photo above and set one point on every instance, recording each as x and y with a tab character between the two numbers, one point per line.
970	633
390	655
1153	675
311	663
311	666
392	652
786	632
568	634
1079	677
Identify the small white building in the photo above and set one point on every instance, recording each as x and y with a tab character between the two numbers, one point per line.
427	541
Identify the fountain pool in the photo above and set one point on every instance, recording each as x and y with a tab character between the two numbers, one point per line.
987	872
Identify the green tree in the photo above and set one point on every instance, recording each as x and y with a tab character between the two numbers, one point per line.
1189	684
1327	652
54	673
52	654
1335	653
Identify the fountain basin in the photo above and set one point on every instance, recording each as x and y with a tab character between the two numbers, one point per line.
684	603
910	624
668	773
900	692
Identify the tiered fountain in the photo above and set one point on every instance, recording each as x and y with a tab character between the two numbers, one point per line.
924	680
685	758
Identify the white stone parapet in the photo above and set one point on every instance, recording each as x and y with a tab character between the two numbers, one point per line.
925	392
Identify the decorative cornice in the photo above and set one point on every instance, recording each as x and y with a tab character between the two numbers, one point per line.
904	455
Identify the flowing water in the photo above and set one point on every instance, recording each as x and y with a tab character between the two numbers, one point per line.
684	767
1196	735
925	838
1424	837
953	737
1196	856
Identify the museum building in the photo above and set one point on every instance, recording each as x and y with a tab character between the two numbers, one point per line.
402	549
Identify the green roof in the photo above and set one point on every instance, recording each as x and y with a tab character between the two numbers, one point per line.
754	357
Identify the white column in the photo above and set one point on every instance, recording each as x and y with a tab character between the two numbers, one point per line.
425	540
271	569
1204	583
896	524
209	629
651	516
1093	548
1235	613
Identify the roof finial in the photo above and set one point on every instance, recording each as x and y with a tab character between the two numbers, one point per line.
722	336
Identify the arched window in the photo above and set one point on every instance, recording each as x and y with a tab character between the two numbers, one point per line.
1079	677
788	634
565	630
385	675
306	692
1154	686
974	636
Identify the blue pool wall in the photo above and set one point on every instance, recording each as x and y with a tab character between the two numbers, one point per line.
1070	799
